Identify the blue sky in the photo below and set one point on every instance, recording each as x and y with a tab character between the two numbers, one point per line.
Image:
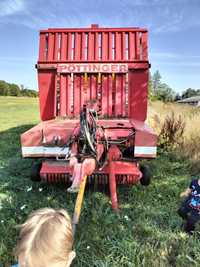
174	33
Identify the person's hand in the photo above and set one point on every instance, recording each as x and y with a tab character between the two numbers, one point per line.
182	194
186	193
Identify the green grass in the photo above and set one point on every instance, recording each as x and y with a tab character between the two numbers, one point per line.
145	233
15	112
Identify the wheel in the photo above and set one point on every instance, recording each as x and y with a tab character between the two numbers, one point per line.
35	171
146	175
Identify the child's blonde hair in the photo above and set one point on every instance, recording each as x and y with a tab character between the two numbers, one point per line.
45	239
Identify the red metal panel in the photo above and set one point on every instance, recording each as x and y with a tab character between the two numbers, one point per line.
123	46
123	95
110	95
46	80
71	94
63	46
56	106
138	87
87	88
67	94
93	86
131	45
144	46
118	96
77	50
128	29
35	136
83	46
118	46
77	82
50	47
110	46
82	89
134	37
90	46
69	47
86	47
104	46
42	47
63	95
104	96
96	47
56	46
100	45
137	45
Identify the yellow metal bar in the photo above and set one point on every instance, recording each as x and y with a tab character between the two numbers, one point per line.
113	76
78	205
99	77
85	84
85	76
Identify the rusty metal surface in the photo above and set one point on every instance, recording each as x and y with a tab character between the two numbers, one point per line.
51	136
125	173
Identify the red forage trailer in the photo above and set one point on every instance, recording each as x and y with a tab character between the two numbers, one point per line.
93	89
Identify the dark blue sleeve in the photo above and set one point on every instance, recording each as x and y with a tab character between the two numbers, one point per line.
193	183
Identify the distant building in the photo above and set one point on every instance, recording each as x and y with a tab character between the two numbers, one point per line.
194	101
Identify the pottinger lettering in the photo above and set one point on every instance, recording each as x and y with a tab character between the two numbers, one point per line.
93	68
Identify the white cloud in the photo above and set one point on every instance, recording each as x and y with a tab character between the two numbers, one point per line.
10	7
160	16
170	55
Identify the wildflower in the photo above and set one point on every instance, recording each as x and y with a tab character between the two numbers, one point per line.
22	207
88	247
29	189
126	218
40	189
183	235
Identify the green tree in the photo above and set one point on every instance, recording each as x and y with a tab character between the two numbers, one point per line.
190	92
29	92
165	93
160	91
14	89
156	80
4	88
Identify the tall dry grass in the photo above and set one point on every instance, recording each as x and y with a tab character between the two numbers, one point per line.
187	142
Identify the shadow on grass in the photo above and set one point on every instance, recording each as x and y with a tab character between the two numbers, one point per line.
10	141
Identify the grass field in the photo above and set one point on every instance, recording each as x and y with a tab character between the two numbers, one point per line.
146	232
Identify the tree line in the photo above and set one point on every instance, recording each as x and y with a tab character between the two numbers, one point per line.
162	91
12	89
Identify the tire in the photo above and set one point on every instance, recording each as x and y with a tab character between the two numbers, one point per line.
146	175
35	171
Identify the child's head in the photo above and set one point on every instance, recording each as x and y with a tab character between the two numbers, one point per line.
46	240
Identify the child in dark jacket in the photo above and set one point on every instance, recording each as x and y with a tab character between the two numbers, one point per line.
190	207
